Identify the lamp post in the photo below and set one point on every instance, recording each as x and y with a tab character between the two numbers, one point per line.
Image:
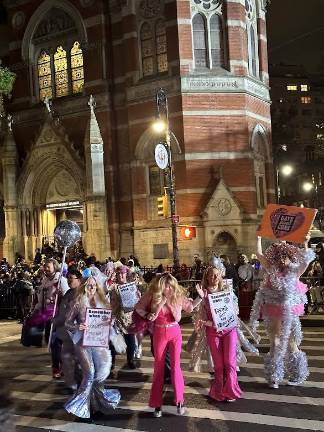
161	126
285	170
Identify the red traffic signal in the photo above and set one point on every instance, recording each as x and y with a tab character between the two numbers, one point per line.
188	232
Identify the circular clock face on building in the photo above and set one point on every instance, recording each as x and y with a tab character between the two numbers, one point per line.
224	206
161	156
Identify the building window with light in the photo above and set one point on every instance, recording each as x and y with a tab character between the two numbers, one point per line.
60	72
252	38
153	43
304	87
292	87
305	99
157	180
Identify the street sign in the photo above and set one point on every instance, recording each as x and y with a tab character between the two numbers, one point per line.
161	156
176	219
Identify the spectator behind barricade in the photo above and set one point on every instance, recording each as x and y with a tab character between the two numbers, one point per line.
257	272
23	291
315	271
38	257
319	250
184	272
230	272
245	273
160	269
7	423
197	268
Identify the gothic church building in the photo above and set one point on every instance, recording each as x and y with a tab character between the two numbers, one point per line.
79	142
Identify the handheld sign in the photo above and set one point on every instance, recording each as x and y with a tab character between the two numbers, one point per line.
98	323
286	223
128	296
221	306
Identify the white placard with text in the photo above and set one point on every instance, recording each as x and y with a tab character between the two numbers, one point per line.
98	323
128	295
222	309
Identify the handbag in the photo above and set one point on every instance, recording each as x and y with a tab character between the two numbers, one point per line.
31	335
139	324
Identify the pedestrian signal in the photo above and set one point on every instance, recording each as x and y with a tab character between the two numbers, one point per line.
188	232
162	206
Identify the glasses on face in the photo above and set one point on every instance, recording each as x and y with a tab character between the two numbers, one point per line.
71	278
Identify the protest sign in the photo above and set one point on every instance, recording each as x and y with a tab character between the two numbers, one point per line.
228	284
128	296
286	223
98	327
221	306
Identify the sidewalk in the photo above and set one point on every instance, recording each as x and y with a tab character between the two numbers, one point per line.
313	320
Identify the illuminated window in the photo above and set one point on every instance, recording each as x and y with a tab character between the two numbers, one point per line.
305	99
44	75
291	87
304	87
77	68
200	40
216	41
161	47
156	180
59	74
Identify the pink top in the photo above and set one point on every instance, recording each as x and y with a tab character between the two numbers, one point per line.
184	304
164	317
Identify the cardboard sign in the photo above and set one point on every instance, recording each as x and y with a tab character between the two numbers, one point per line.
98	327
128	295
286	223
222	309
228	284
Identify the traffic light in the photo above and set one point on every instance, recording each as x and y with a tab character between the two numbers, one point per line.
188	232
162	206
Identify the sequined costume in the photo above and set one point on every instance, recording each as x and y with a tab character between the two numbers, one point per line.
95	363
280	301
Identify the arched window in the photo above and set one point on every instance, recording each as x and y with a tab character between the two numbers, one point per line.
77	68
44	75
216	41
147	49
161	47
200	40
59	74
251	26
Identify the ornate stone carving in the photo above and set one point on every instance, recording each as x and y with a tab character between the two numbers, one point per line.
54	22
223	206
250	8
207	5
150	8
18	20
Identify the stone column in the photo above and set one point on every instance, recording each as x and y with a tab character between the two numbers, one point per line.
12	241
96	235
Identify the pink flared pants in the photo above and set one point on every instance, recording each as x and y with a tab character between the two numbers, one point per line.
166	338
223	350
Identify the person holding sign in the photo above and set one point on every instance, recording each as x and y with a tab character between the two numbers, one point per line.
221	331
162	304
280	300
92	350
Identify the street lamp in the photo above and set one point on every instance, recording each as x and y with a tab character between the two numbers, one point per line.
307	186
161	126
286	171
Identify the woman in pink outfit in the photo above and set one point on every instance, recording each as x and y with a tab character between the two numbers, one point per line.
162	304
222	344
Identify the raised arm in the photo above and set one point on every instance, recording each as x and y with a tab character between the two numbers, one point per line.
307	256
260	255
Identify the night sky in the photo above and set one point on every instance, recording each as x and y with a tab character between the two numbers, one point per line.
296	33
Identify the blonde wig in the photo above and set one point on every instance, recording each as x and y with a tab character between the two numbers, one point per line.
158	285
82	291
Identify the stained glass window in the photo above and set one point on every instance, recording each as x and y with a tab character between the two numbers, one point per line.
199	40
44	76
61	73
147	49
253	60
161	47
77	68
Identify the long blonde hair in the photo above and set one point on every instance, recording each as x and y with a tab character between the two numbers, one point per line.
82	291
158	285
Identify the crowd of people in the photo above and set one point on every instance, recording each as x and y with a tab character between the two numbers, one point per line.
53	299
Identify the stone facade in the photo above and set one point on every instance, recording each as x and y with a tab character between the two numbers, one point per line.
219	117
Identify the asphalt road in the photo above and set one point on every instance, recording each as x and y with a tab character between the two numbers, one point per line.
39	399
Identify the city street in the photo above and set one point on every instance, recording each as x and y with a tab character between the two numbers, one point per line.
39	399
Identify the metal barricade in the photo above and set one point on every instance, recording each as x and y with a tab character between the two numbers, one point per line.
8	302
315	294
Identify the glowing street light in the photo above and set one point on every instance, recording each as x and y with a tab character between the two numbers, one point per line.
307	186
287	170
159	126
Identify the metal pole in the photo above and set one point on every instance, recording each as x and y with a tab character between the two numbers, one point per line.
278	186
163	111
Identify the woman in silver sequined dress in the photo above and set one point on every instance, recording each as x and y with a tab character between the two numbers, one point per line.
95	362
280	301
